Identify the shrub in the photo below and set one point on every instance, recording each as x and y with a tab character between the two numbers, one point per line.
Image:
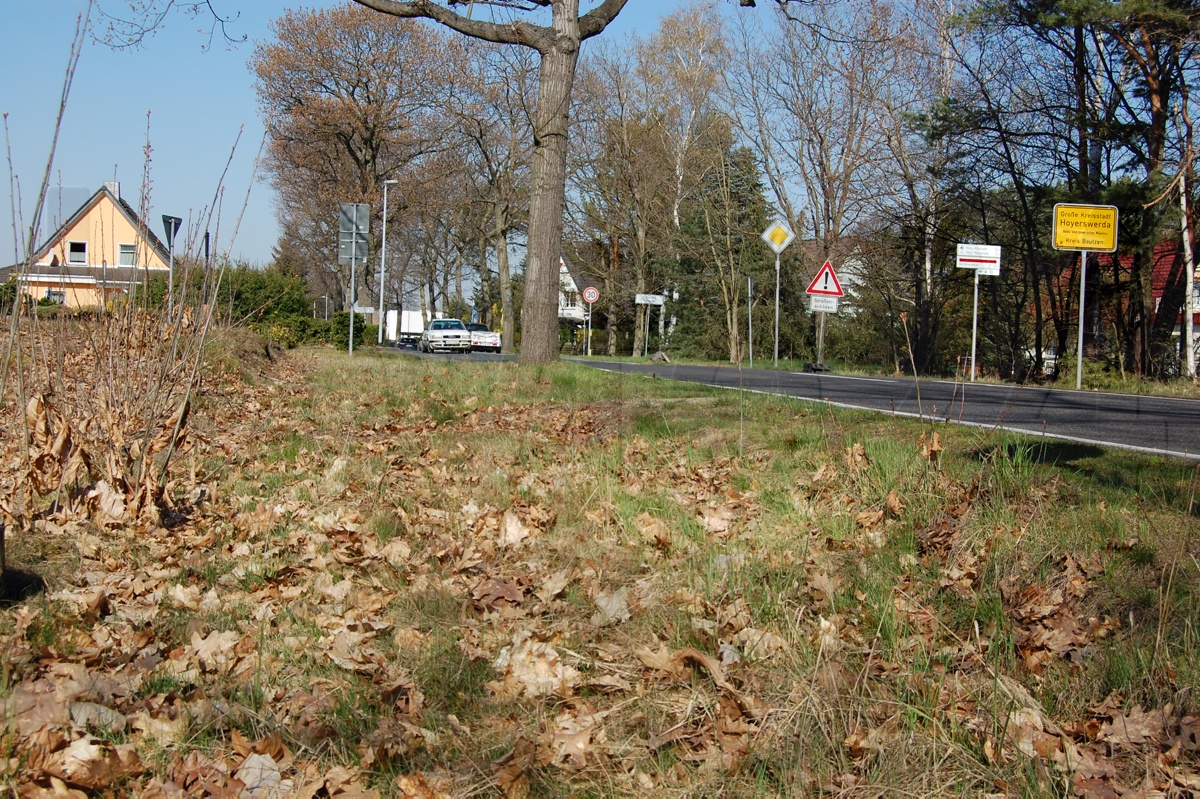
339	333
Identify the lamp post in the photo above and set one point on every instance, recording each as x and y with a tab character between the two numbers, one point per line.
383	257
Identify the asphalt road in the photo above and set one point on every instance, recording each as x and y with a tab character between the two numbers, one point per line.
1157	425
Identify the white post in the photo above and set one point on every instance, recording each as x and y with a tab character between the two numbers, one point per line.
353	281
1079	348
589	331
975	326
821	338
750	316
776	361
646	342
170	277
383	258
1189	304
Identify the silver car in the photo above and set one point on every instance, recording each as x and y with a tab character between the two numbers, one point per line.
449	335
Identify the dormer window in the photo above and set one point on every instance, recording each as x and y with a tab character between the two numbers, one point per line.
77	252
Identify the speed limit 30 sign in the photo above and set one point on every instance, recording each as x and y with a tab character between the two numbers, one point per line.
591	294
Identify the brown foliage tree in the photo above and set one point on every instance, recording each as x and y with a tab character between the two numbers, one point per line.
349	99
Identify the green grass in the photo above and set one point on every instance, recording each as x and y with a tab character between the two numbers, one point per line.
818	497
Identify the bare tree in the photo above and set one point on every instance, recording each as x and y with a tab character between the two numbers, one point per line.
349	100
557	45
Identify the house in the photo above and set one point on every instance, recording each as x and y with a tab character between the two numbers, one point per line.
572	281
1167	275
101	251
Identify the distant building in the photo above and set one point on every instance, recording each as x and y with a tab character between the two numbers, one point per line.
571	282
99	252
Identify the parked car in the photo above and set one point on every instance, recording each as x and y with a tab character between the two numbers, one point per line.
482	338
445	334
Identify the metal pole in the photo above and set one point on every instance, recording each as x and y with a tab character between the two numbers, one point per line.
171	272
974	325
353	281
589	331
1079	349
646	342
383	258
821	338
776	361
1189	305
750	316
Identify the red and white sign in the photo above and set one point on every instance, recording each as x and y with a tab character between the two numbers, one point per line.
984	258
591	294
826	283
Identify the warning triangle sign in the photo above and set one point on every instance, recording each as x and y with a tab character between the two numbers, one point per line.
826	283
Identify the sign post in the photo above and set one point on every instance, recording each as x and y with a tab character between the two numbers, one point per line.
590	295
353	219
777	236
750	316
823	293
1084	228
648	299
985	260
171	223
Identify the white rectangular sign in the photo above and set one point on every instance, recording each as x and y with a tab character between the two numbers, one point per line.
820	302
985	258
650	299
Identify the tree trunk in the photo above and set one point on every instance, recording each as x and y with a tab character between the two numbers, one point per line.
556	74
508	329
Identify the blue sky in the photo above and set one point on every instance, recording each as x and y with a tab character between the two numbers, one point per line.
197	101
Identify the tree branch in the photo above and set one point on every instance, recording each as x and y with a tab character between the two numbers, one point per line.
596	20
521	33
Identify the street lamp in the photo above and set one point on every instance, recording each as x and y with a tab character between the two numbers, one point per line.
383	256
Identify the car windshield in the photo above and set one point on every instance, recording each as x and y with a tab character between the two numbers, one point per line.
446	324
476	327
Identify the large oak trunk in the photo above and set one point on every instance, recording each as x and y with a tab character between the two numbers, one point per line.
539	314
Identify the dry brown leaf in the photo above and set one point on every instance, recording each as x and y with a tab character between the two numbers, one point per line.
512	530
532	668
1136	728
612	608
650	526
716	519
93	764
553	585
856	458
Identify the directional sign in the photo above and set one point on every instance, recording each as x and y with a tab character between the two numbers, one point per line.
591	294
352	232
1092	228
821	302
649	299
826	283
983	258
778	235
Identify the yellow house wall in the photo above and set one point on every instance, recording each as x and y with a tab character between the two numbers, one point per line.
76	296
104	227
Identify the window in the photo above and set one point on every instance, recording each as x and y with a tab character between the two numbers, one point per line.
59	297
126	255
572	299
77	252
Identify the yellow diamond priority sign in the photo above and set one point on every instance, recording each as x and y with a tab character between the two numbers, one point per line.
778	235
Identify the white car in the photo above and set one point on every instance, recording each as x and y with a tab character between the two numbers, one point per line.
482	338
450	335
